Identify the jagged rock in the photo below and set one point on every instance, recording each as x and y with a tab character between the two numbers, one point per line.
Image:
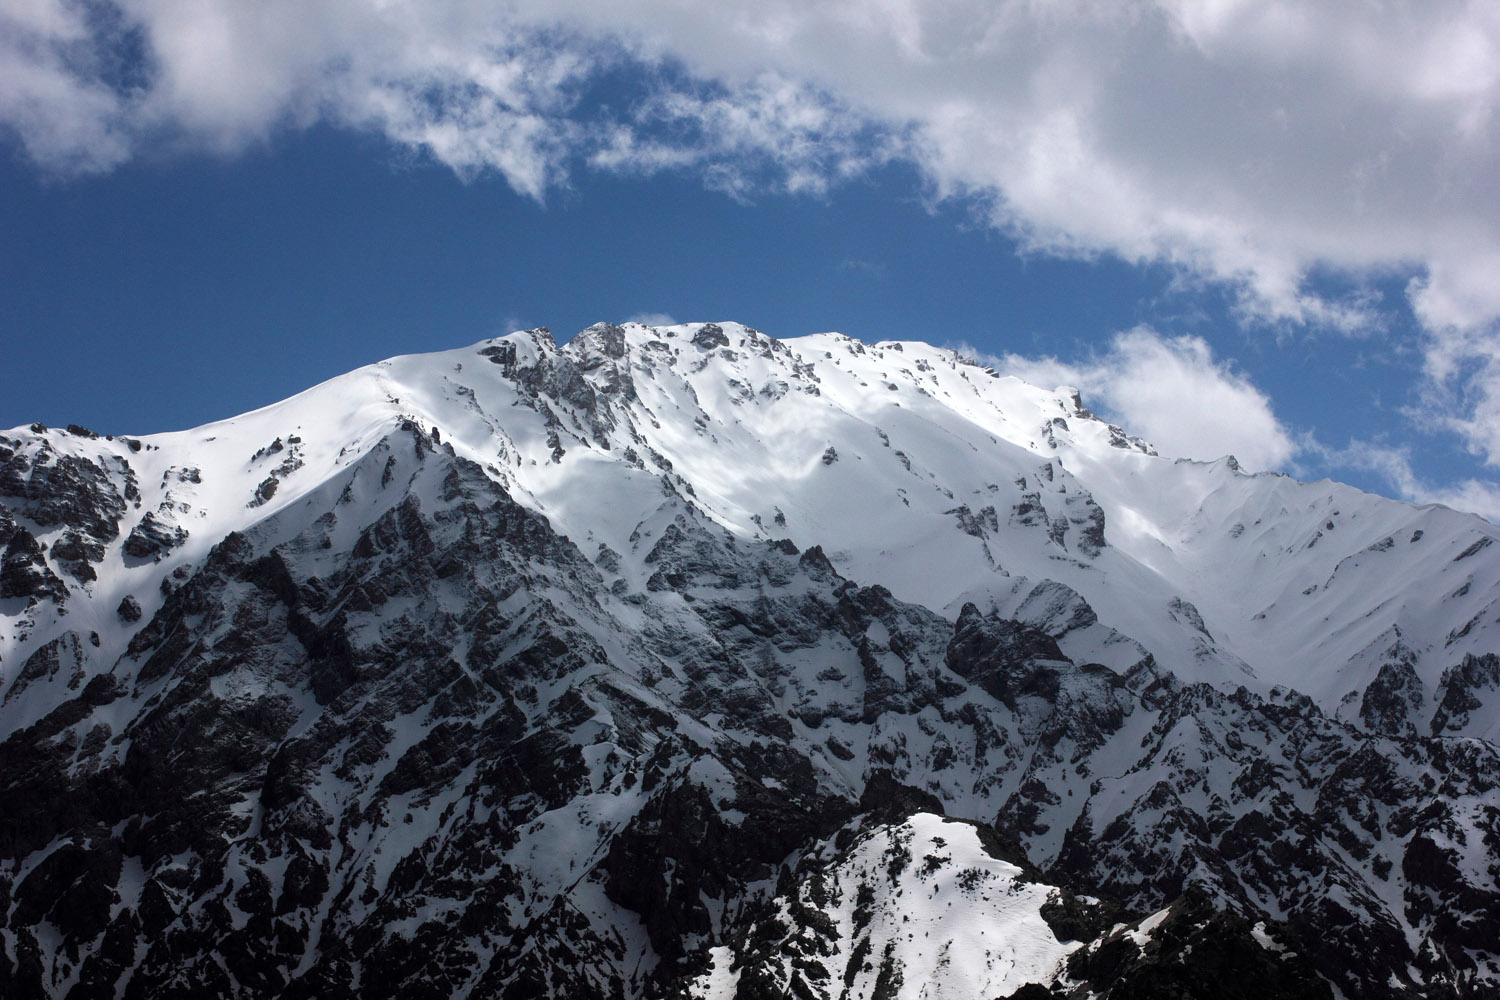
1088	517
1393	700
264	491
64	490
76	553
450	719
1198	950
154	536
982	524
24	571
62	656
1007	658
503	355
1459	690
607	339
710	336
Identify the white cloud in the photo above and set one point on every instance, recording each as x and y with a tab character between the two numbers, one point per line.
67	119
1245	142
1175	394
1395	466
769	132
1473	495
858	265
469	84
652	319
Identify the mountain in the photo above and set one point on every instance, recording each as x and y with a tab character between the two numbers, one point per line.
684	661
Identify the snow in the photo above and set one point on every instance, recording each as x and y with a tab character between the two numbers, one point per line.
1283	596
1141	933
910	468
1258	932
719	980
954	920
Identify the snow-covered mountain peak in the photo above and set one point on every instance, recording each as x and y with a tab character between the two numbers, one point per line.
903	462
536	669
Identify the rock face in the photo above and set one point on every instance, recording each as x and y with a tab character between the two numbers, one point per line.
584	671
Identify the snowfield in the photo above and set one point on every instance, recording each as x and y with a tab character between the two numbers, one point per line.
526	667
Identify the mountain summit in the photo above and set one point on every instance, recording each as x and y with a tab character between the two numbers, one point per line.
686	661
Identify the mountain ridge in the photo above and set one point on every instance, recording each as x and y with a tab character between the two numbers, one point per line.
508	610
380	405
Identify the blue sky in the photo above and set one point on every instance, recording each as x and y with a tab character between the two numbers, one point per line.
1240	235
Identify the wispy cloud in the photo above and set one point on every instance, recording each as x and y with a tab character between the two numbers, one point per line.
770	133
872	268
1395	465
1173	392
1187	403
652	319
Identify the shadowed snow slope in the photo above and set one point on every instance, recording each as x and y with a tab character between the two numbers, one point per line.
523	668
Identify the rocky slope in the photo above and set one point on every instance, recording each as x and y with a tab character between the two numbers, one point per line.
661	662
